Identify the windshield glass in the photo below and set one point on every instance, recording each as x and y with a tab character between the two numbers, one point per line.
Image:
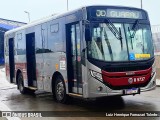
135	44
139	42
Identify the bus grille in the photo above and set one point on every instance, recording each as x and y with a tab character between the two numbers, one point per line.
126	68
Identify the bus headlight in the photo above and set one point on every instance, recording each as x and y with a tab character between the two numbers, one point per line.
96	75
153	69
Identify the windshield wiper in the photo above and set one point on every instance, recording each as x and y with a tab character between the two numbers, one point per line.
134	28
114	30
108	44
130	37
120	38
135	25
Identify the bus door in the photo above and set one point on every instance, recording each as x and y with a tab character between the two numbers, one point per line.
74	66
11	59
31	59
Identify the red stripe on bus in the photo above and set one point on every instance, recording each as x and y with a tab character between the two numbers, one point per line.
120	74
121	79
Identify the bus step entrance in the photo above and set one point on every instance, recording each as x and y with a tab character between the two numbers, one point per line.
75	95
77	90
32	88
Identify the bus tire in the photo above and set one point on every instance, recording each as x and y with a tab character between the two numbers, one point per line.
60	91
21	87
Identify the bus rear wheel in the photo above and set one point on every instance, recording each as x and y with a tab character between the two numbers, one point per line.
60	91
21	87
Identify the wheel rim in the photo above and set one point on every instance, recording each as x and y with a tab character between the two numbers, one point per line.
60	91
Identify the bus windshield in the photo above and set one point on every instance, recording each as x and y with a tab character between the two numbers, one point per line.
135	42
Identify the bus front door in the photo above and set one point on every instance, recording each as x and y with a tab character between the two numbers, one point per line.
74	66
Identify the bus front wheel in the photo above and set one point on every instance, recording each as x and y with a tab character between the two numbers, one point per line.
21	87
60	91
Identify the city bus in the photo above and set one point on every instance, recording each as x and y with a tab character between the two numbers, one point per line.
91	52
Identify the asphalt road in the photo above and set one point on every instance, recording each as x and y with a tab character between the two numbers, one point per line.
11	98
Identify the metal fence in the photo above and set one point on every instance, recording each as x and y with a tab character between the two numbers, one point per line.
156	38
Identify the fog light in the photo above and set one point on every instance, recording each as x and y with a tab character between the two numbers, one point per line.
100	88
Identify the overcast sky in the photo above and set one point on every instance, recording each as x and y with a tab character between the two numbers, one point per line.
14	9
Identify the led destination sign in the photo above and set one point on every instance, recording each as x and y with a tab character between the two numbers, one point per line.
119	13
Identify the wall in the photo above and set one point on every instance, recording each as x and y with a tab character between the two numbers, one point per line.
156	39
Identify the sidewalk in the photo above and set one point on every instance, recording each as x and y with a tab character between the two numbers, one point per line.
158	82
4	84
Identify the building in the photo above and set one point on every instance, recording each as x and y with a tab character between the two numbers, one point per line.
6	25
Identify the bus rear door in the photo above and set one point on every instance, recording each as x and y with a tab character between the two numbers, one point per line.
11	59
31	59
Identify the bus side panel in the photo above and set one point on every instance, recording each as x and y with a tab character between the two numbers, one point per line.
7	68
54	55
39	57
63	38
20	55
9	58
6	47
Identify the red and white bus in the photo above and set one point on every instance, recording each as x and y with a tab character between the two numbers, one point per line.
91	52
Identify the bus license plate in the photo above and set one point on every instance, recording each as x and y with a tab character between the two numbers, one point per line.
131	91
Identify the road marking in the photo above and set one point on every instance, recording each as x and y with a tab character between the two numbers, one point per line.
3	107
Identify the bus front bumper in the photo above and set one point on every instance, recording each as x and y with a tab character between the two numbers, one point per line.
151	86
110	92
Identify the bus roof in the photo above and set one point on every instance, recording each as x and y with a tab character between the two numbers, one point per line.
54	16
